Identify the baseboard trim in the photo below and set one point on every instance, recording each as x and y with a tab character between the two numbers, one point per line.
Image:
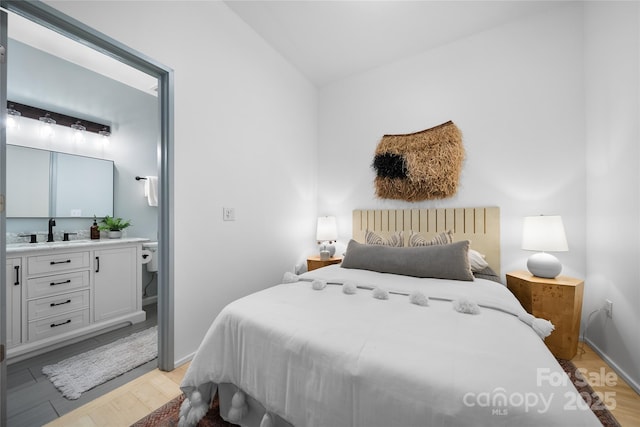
182	361
149	300
618	370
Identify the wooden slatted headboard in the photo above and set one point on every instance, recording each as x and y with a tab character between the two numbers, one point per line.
481	226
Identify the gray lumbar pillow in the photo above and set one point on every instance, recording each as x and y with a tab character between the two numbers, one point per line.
449	261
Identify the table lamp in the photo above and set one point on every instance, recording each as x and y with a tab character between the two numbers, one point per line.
544	233
327	234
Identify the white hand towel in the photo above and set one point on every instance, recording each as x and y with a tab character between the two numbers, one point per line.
151	190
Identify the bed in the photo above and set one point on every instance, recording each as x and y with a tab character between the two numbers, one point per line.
383	340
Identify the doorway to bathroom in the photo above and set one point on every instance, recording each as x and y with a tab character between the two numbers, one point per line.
48	17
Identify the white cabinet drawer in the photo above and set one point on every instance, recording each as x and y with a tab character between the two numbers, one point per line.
57	325
57	304
59	283
57	262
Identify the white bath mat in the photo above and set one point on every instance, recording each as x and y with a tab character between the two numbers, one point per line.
77	374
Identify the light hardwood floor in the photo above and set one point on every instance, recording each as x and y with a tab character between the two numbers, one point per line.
127	404
620	399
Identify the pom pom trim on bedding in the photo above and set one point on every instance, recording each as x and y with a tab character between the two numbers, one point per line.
462	304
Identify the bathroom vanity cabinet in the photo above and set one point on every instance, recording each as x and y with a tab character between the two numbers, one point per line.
116	269
68	291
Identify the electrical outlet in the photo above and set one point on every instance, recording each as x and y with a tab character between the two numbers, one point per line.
228	214
608	308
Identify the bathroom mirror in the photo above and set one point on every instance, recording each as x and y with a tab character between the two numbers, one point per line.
27	182
42	183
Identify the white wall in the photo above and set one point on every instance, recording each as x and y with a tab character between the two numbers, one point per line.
612	47
515	92
245	138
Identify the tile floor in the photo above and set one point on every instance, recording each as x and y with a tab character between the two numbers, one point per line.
32	400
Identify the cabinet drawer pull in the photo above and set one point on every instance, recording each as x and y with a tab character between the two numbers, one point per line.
60	283
54	304
68	261
53	325
97	264
17	282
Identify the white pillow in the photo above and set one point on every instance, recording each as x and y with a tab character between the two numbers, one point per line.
477	261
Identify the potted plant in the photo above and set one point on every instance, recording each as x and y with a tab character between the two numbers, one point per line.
114	226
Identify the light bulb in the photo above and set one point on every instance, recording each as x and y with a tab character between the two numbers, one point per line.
46	131
12	123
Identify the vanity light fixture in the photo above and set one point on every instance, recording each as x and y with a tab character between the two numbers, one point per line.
51	118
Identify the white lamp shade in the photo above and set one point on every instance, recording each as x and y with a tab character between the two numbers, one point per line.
544	233
327	229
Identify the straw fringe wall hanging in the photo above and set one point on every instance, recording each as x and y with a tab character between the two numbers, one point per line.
419	166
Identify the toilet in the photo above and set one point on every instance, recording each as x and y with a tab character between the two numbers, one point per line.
152	266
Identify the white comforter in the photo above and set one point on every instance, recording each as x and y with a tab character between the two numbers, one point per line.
325	358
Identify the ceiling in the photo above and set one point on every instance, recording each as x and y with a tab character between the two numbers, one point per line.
325	40
330	40
49	41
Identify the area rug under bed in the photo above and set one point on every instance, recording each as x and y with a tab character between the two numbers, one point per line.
588	394
167	415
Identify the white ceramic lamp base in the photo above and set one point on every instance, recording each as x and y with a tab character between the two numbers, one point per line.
327	250
544	265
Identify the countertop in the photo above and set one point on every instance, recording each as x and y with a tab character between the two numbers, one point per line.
14	248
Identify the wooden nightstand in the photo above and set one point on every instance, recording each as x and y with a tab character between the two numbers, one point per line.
314	262
558	300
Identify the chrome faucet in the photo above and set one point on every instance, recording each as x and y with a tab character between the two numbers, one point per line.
52	222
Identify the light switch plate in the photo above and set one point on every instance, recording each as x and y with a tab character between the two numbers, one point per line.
228	214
